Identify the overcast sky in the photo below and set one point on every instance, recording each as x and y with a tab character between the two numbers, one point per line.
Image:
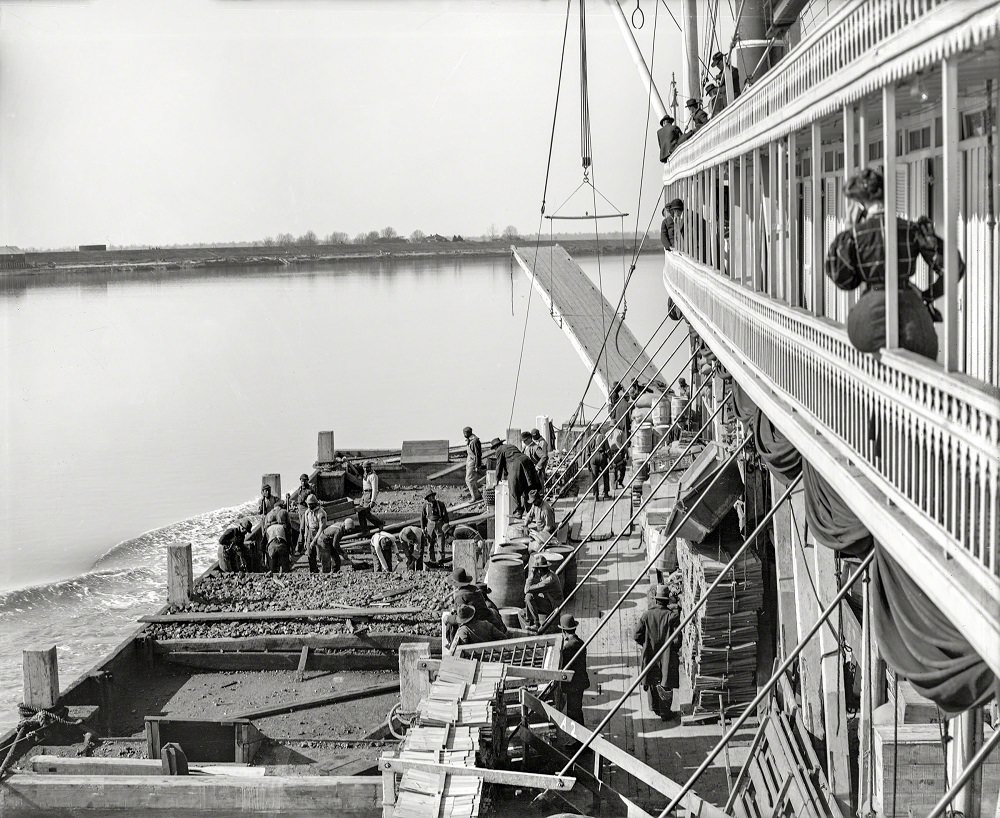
169	121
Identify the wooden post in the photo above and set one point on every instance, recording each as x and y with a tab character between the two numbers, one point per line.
741	222
463	555
951	170
891	248
779	267
414	683
274	481
180	574
807	611
793	281
514	437
785	574
967	732
40	670
832	671
326	451
773	264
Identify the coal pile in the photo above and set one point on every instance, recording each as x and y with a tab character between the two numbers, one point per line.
407	501
428	591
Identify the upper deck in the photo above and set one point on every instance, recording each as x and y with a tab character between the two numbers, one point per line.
911	444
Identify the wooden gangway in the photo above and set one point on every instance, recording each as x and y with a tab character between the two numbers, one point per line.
584	315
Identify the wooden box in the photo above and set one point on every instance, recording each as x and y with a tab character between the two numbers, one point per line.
204	739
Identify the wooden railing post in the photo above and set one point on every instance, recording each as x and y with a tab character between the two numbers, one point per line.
40	672
180	573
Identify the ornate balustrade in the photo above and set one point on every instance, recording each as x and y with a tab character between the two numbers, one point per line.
861	47
929	440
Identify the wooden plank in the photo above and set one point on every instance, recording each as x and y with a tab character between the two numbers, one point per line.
454	467
513	778
40	670
424	451
71	765
389	642
320	701
652	778
343	796
300	671
180	574
517	671
280	660
807	611
266	616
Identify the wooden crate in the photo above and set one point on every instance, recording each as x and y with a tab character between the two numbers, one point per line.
204	739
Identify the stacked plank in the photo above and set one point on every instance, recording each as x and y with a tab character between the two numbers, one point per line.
720	642
460	723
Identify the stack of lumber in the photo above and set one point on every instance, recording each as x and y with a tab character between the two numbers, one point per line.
720	642
423	794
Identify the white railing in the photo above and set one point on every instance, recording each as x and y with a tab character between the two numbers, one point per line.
810	81
932	437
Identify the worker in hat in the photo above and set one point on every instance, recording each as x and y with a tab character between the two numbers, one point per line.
669	136
467	593
277	539
515	466
369	496
473	629
473	463
697	118
313	525
672	226
298	498
599	462
541	517
651	632
679	397
266	501
570	694
234	555
543	592
541	448
492	611
718	68
434	521
535	453
383	545
331	555
412	544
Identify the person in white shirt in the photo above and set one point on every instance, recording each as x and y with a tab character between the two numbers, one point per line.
369	496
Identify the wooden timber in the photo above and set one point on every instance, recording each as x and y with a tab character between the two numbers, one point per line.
280	660
584	315
250	616
388	642
320	701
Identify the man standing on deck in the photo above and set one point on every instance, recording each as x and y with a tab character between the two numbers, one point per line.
331	554
679	397
540	517
600	468
473	463
369	496
522	475
412	542
313	526
542	450
672	226
619	456
651	632
433	519
266	501
277	539
571	692
543	592
299	497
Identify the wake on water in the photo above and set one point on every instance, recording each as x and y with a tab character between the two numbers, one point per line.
86	616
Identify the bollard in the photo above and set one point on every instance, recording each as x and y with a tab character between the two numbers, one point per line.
274	481
514	436
40	670
326	451
414	683
180	574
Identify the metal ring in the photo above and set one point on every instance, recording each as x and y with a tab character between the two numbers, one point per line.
642	17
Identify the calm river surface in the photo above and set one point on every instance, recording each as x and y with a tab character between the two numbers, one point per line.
141	412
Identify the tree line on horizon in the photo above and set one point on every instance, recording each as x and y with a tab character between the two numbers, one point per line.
386	234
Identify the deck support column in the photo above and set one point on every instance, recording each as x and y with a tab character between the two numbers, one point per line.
781	528
952	171
891	248
818	276
967	732
807	611
180	574
40	672
502	510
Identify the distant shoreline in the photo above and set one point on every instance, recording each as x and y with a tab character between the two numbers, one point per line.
155	260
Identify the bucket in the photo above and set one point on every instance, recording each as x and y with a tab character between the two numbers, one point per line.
661	410
568	574
505	577
510	617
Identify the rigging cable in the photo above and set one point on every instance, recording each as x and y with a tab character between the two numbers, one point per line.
538	234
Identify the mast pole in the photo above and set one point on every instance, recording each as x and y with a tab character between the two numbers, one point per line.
690	76
752	30
638	59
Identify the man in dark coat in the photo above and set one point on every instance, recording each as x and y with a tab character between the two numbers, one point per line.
434	520
669	136
466	593
494	612
474	629
473	463
672	226
571	692
523	477
234	555
543	591
599	461
651	632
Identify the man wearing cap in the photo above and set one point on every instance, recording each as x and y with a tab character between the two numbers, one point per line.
669	136
542	449
541	517
332	554
473	463
277	539
543	592
571	692
523	477
234	556
299	497
697	118
473	629
672	226
382	547
369	496
312	528
412	542
266	501
433	519
651	632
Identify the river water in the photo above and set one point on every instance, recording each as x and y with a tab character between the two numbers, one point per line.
130	405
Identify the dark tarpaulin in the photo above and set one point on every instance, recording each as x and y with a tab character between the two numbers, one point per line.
830	519
922	645
780	456
745	408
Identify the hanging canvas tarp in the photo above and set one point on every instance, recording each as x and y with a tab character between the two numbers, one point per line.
921	644
830	519
780	456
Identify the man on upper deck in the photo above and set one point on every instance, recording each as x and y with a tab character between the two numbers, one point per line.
669	136
672	226
697	118
473	463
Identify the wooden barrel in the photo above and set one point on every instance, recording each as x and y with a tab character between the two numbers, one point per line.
659	432
505	577
554	559
642	443
661	410
569	575
511	617
510	549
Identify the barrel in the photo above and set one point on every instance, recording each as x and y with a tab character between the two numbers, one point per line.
554	559
569	575
642	443
659	432
661	410
510	549
511	617
505	577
